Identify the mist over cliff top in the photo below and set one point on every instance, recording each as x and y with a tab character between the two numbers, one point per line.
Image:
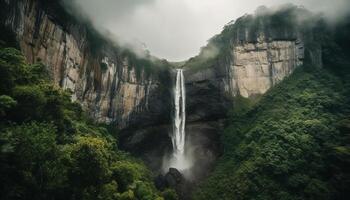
176	29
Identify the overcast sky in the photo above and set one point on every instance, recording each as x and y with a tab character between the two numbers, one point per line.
176	29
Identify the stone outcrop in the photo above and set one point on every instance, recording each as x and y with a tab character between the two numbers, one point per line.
174	179
108	85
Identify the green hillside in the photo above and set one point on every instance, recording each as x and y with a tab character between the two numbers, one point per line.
293	143
50	149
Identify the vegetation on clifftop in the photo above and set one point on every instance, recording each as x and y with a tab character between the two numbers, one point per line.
284	23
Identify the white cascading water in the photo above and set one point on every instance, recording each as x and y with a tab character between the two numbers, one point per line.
178	159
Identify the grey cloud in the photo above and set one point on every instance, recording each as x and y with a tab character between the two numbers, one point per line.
176	29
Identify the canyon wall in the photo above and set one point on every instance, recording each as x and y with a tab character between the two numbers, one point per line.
109	85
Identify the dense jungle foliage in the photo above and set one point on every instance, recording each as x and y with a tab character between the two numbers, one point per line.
49	148
293	144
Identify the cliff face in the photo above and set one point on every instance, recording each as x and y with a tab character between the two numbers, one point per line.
250	70
256	67
253	55
105	82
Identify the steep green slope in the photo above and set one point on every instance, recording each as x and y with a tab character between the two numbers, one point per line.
291	145
294	143
49	149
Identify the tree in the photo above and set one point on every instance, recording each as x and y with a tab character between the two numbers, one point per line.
30	166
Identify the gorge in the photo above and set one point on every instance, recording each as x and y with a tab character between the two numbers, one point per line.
217	126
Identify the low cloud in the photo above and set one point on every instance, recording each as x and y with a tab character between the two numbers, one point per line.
176	29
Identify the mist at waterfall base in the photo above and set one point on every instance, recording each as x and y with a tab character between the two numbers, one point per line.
180	157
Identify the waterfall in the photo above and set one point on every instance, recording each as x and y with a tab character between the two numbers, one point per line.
178	136
179	160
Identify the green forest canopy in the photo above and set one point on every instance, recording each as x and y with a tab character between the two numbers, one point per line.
50	149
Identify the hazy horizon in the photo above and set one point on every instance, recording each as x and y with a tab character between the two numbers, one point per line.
176	29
